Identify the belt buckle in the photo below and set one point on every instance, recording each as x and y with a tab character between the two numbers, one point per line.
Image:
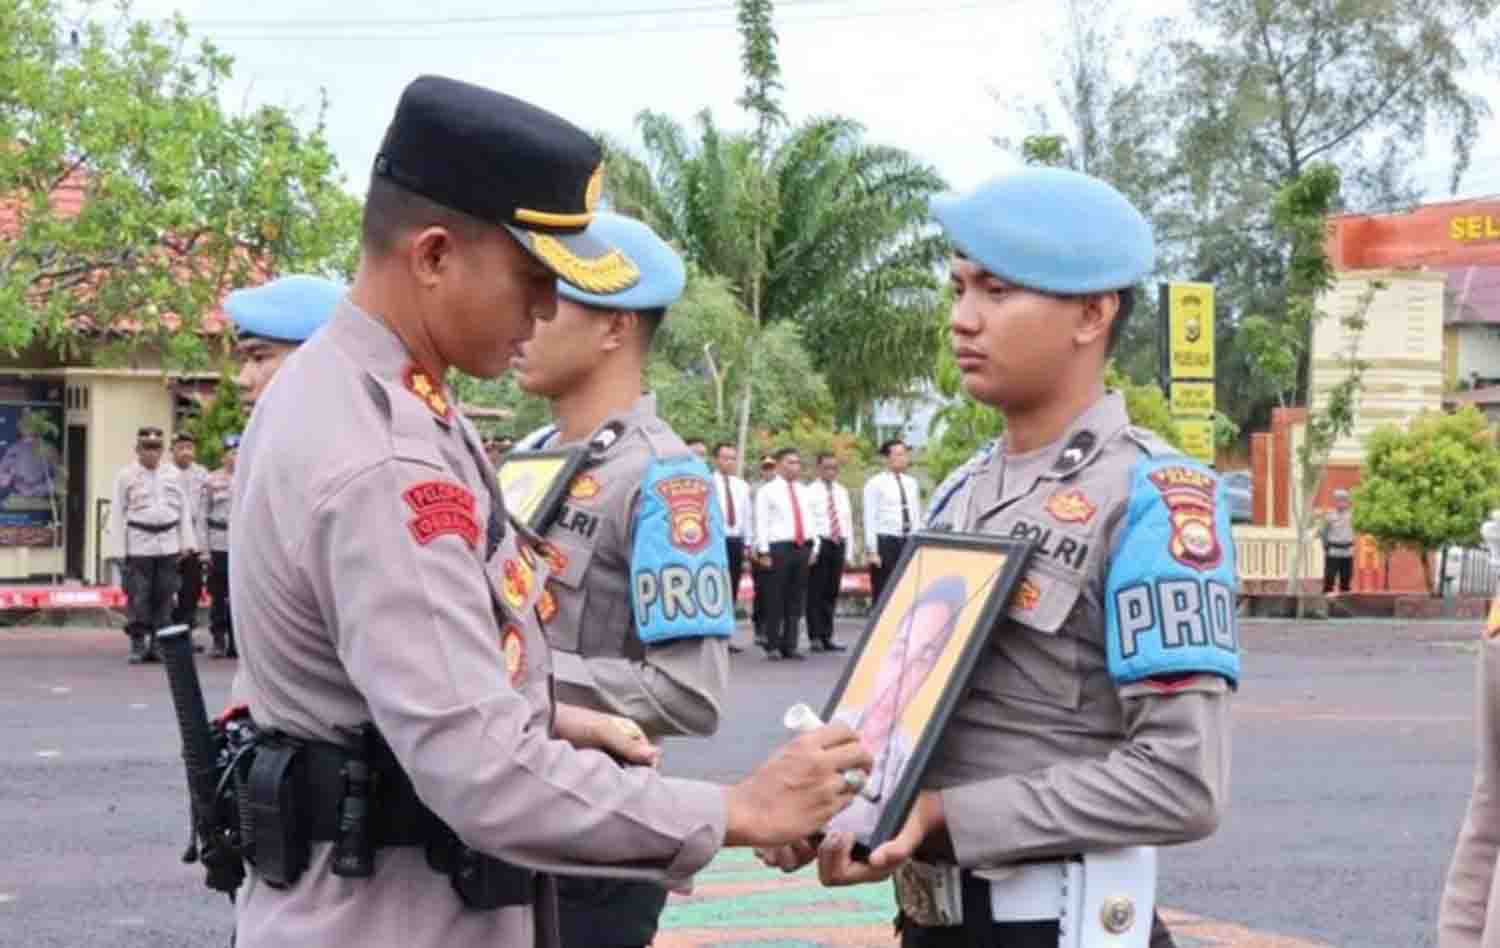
930	895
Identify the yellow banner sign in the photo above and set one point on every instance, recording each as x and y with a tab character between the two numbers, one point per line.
1197	438
1193	399
1190	317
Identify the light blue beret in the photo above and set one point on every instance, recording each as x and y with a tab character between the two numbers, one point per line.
290	309
662	273
1050	230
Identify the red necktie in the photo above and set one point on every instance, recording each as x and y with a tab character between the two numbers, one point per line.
835	529
729	498
797	535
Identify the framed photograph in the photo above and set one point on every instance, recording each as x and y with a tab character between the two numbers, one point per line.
913	664
534	483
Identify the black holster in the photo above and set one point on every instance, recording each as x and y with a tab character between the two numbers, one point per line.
361	800
278	837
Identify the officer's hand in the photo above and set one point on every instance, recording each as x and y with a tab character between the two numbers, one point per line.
837	866
872	559
620	738
623	739
802	787
789	858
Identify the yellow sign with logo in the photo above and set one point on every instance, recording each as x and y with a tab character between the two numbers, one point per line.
1197	438
1193	399
1190	320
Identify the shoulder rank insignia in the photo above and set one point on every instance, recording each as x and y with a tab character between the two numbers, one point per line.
1071	506
1189	496
420	384
1078	448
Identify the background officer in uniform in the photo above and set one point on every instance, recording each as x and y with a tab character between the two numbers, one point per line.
193	474
640	608
271	321
375	581
214	511
892	508
1337	534
739	516
1099	716
786	535
827	574
151	515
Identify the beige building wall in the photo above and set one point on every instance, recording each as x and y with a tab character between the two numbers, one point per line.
1402	342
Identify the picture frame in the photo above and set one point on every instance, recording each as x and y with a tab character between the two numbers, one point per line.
535	483
955	588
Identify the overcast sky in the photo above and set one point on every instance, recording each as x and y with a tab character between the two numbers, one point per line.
936	78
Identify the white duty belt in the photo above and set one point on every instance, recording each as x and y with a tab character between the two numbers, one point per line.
1106	899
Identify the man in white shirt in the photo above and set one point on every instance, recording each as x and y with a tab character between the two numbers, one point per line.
835	516
759	564
893	508
739	512
151	521
785	527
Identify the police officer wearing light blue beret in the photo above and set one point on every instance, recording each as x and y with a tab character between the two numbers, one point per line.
1096	725
274	319
640	613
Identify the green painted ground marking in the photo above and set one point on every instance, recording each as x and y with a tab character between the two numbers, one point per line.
791	906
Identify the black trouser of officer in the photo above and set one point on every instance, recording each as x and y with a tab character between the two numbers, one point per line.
823	582
150	585
608	913
979	931
889	548
1337	571
220	625
786	591
189	591
759	581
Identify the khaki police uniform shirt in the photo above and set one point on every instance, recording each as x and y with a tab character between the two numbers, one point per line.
364	592
194	476
1469	916
1338	533
1047	755
150	497
213	510
610	573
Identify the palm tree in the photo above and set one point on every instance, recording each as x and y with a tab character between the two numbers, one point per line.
822	229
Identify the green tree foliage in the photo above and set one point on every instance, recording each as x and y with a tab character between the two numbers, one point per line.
700	359
1238	99
223	414
845	254
1428	486
128	195
760	66
1277	348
